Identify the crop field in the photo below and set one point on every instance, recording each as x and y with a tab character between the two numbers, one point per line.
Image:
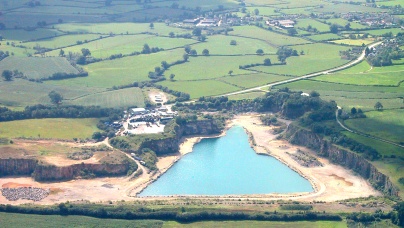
266	35
200	88
107	74
49	128
112	99
208	67
386	124
62	41
358	42
304	23
120	28
387	76
37	68
251	80
49	221
220	45
314	59
124	44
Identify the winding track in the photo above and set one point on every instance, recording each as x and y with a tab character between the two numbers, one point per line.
356	61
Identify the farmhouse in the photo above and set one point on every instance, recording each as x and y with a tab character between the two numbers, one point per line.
191	21
207	23
138	111
286	23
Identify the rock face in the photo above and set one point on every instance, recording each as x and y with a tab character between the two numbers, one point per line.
16	167
56	173
171	144
342	157
44	172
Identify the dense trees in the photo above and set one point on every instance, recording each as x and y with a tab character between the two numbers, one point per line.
259	52
233	42
55	97
7	75
205	52
267	62
334	28
285	52
292	31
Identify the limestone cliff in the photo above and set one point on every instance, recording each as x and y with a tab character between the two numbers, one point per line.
17	167
45	172
342	157
55	173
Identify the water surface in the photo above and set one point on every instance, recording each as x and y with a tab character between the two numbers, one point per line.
224	166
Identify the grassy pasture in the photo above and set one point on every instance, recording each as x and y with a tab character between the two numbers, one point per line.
266	35
314	59
301	10
304	23
385	76
378	32
327	36
122	71
114	99
208	67
37	68
120	28
231	224
263	11
343	22
220	45
386	124
251	80
362	67
20	93
346	8
19	52
24	35
49	128
124	44
200	88
383	148
49	221
61	41
358	42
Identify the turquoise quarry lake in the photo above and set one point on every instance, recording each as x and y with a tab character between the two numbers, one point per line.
227	166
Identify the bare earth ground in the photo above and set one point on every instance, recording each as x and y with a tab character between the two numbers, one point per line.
331	182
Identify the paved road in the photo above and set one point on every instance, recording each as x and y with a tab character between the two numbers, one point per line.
359	59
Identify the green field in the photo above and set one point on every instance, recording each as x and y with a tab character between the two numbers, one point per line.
24	35
220	45
251	80
386	124
304	23
107	74
243	96
267	36
62	41
124	44
327	36
343	22
203	67
36	67
42	221
387	76
112	99
358	42
120	28
315	59
348	96
49	128
200	88
20	93
322	224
